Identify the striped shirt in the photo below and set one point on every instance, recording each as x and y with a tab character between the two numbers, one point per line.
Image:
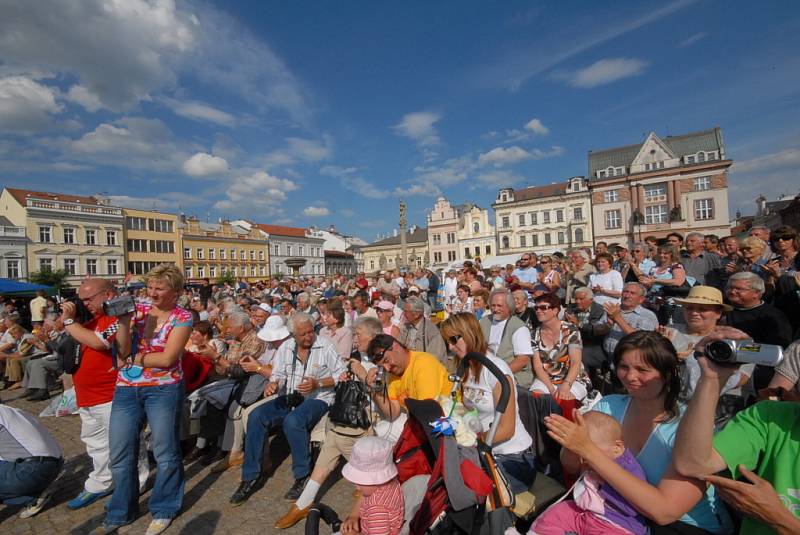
381	512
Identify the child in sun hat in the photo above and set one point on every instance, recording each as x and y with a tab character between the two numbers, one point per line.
371	468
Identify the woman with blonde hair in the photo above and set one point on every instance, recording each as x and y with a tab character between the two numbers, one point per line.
149	387
480	390
549	277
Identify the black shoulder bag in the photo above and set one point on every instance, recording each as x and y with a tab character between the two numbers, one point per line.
349	408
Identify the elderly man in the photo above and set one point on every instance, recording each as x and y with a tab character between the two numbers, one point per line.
35	381
94	382
508	336
628	316
418	333
704	267
591	319
305	370
763	322
304	305
259	314
361	304
387	285
578	276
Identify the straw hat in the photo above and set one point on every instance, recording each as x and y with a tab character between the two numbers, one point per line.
704	295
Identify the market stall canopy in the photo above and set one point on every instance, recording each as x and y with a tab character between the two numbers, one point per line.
16	288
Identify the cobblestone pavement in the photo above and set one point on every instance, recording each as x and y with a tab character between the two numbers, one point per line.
205	505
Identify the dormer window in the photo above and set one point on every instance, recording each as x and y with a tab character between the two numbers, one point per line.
690	159
701	157
601	174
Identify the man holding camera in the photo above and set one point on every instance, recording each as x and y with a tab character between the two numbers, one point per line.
95	381
305	370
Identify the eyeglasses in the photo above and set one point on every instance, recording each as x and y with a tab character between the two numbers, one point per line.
541	307
544	262
453	340
85	299
525	259
784	238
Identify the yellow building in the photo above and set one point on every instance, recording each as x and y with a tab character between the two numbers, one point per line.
81	235
385	254
151	238
212	249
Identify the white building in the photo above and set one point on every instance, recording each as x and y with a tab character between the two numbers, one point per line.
291	243
13	254
544	219
476	236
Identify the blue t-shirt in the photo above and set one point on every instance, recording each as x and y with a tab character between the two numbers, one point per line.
529	275
655	456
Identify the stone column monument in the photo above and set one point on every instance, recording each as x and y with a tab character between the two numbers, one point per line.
403	251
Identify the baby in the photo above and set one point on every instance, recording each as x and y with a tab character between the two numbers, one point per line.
371	468
595	506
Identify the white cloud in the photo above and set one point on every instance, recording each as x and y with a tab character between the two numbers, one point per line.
316	211
452	172
337	171
26	105
203	164
300	150
770	175
536	126
363	187
80	95
420	189
543	154
419	127
689	41
198	111
786	158
502	156
604	71
169	200
258	192
499	178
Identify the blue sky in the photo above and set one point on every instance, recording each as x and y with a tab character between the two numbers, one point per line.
302	113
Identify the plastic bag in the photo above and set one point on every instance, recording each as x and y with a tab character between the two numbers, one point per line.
64	404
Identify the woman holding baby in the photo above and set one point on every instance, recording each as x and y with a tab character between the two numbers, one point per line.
648	416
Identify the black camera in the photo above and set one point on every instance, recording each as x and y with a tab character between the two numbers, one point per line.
119	306
294	399
82	314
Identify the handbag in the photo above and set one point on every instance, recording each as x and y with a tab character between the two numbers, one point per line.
349	408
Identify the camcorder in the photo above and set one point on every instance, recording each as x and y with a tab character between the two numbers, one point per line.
744	352
119	306
294	399
82	314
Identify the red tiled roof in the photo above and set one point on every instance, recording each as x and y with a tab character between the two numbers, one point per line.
338	254
21	195
536	192
279	230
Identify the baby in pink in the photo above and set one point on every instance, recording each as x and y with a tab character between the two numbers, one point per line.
596	508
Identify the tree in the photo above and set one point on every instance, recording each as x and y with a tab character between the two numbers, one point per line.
226	276
48	277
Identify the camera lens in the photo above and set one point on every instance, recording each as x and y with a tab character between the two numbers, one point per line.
720	352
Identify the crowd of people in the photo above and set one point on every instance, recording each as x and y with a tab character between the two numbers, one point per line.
658	437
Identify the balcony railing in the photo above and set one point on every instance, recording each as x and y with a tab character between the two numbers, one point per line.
73	207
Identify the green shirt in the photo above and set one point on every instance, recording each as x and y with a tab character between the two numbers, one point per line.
766	439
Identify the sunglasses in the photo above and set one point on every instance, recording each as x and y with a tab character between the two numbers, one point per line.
784	238
453	340
525	259
541	307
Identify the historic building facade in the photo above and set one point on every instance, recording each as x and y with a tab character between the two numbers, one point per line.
81	235
544	219
210	250
385	254
444	222
13	251
476	236
662	185
151	238
289	246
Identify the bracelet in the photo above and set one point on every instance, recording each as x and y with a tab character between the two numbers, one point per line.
258	370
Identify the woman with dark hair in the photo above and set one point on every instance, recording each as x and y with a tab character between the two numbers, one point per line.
480	390
557	354
334	330
668	270
649	369
785	244
462	301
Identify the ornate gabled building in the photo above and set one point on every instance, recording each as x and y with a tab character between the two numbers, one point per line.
211	250
661	185
544	219
385	253
459	232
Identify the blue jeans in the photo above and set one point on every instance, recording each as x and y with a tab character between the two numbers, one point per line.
161	407
297	425
518	468
22	482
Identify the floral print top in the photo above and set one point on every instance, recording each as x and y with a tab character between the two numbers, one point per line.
555	360
154	343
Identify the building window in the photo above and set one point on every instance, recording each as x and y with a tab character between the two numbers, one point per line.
69	235
159	225
223	254
535	240
45	234
111	267
466	252
547	238
578	235
534	218
522	241
187	253
233	254
488	249
689	159
70	266
252	254
137	246
91	237
45	263
656	214
187	272
577	214
276	249
561	237
288	250
235	271
301	251
242	254
655	192
477	250
613	219
212	272
437	257
559	216
12	269
200	255
261	255
545	217
451	237
476	227
372	262
252	271
201	271
505	242
111	237
91	266
451	256
702	183
437	239
601	174
262	271
161	246
711	156
136	223
611	196
521	220
704	209
506	221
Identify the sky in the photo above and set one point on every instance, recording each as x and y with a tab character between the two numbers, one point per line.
317	113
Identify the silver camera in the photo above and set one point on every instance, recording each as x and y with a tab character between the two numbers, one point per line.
119	306
744	352
380	380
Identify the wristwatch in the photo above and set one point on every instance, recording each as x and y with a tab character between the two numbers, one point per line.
68	321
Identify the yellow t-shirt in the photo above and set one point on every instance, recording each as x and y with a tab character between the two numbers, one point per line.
424	378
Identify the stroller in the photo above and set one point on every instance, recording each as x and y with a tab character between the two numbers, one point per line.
449	488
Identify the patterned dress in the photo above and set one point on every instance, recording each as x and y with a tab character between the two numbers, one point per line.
555	360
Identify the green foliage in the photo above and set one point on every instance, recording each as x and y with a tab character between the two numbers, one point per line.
56	278
226	276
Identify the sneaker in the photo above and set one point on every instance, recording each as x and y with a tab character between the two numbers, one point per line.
158	525
297	489
245	490
36	506
85	498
